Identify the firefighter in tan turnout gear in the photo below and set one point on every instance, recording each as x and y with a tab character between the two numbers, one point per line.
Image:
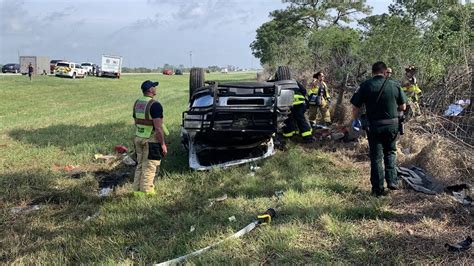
319	100
149	138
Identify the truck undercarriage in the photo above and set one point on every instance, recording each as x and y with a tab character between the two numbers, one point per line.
233	123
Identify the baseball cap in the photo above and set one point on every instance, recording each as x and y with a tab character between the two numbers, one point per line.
147	84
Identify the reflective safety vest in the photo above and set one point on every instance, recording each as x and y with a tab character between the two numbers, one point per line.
298	99
143	120
413	91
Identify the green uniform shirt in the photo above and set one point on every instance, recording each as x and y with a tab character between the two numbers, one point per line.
387	107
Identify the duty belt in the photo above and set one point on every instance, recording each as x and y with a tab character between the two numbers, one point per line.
384	122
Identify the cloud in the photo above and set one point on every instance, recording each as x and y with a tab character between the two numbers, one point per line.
17	20
195	14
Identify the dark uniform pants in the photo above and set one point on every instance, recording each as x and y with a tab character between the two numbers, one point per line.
296	122
382	145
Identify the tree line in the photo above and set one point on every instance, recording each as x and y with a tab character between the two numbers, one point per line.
332	36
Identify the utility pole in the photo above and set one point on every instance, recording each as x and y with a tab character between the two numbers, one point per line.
190	59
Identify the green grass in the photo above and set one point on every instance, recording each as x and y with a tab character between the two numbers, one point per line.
324	216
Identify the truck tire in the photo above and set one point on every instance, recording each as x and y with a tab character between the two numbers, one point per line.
283	73
196	80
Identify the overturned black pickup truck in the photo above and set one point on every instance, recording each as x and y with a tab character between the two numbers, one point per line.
228	124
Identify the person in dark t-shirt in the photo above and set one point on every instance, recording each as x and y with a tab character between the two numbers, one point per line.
149	140
30	70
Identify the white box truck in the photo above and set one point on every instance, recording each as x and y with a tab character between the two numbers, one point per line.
40	64
111	66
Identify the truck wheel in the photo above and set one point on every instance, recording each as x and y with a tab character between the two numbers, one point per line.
283	73
74	76
196	80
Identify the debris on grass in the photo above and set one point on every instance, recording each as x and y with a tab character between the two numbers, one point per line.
69	168
279	194
127	160
460	246
219	199
254	168
121	149
192	229
25	209
461	193
104	192
100	156
232	219
111	178
89	218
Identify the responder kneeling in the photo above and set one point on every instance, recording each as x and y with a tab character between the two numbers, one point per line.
383	99
149	139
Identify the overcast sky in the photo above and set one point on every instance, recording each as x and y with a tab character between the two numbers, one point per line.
146	33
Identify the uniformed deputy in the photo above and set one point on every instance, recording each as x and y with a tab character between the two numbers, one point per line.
383	99
319	100
296	122
149	138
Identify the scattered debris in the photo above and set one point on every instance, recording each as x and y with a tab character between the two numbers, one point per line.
104	192
25	210
192	228
69	168
121	149
232	219
456	108
219	199
88	218
100	156
420	181
460	193
76	173
254	168
279	194
460	246
111	179
410	232
127	160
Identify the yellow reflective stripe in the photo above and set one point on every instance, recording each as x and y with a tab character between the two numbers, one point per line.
287	135
298	97
307	133
298	102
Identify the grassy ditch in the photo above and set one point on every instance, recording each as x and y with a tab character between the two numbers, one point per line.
325	213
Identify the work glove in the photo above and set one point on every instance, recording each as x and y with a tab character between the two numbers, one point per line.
356	125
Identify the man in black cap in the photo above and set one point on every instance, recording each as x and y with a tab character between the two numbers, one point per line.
383	99
149	138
